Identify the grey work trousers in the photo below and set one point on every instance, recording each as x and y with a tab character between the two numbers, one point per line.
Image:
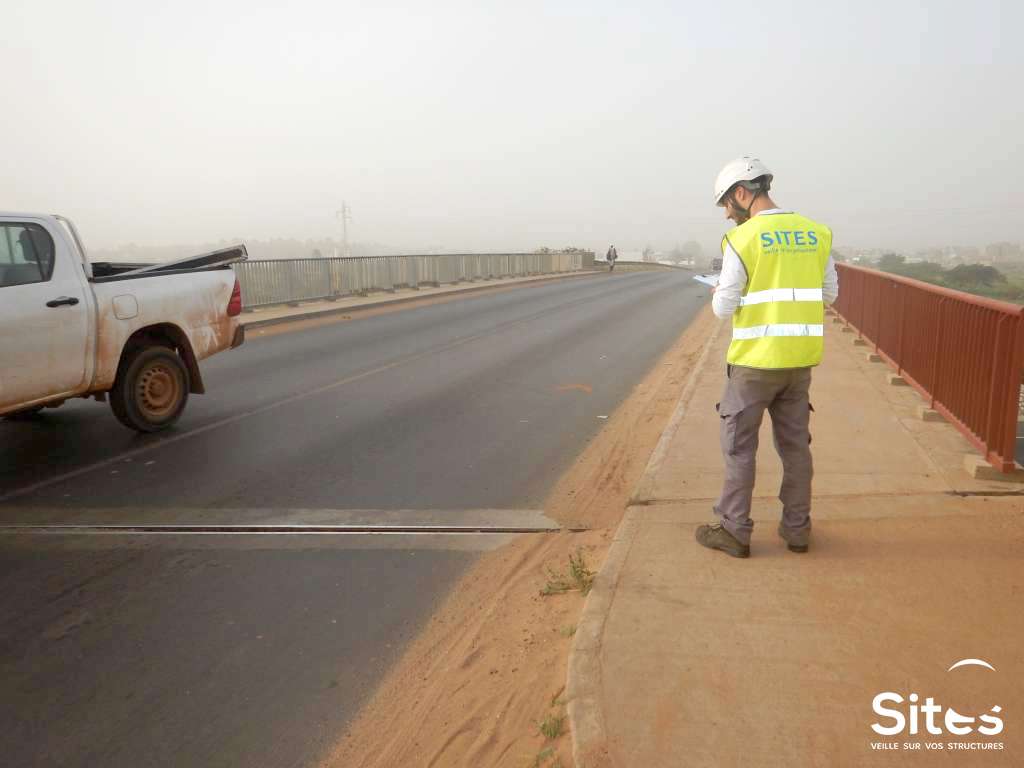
784	393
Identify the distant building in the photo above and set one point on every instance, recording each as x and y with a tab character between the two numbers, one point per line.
1003	253
934	255
969	253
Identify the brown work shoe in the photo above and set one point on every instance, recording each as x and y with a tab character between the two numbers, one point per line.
716	537
796	541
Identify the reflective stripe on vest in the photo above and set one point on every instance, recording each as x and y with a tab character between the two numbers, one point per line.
780	320
781	294
780	329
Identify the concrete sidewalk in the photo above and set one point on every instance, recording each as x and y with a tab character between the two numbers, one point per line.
311	310
687	657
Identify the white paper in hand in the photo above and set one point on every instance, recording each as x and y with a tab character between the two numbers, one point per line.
711	280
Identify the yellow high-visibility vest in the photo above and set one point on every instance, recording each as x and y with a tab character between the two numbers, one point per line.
781	318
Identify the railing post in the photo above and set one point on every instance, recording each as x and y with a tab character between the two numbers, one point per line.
878	316
291	286
1007	348
903	318
936	368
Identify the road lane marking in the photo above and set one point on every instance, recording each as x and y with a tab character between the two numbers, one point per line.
268	529
277	518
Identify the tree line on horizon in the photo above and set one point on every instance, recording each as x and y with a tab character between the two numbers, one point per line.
977	279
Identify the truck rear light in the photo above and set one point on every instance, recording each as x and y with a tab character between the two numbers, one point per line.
235	305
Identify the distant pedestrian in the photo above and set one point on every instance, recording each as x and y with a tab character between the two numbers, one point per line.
777	276
610	257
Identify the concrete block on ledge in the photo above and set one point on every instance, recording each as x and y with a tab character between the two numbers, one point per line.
980	469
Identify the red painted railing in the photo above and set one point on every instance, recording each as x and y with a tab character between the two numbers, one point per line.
963	353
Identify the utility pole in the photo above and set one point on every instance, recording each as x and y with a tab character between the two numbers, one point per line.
345	216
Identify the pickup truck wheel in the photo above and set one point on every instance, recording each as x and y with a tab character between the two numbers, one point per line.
151	390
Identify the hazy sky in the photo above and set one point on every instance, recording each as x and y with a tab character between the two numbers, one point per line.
484	125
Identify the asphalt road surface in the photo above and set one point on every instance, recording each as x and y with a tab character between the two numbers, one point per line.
138	648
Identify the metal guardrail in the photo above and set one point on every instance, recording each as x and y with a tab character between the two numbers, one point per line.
287	281
964	353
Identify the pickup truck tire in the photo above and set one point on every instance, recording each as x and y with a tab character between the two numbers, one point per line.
151	389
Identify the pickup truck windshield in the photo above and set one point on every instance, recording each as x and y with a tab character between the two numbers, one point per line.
26	254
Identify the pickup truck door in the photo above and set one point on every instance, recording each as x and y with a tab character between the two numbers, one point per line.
44	315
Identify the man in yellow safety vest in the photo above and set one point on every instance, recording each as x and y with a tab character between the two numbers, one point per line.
777	276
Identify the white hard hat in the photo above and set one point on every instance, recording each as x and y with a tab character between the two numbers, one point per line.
741	169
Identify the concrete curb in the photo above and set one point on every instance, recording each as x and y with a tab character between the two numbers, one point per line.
583	681
406	299
584	677
651	264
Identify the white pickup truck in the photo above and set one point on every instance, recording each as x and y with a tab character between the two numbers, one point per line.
131	334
